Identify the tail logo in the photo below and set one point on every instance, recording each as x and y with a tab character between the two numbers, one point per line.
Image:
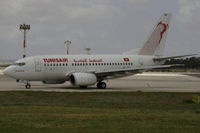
165	26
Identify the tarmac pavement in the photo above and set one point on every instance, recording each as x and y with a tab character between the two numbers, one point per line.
147	82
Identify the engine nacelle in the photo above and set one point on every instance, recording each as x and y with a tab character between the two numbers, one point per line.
83	79
53	82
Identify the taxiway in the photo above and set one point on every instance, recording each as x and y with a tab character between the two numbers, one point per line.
146	82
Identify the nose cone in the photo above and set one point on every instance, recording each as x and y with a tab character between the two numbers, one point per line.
8	71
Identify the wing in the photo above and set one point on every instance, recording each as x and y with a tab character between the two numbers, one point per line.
171	57
109	74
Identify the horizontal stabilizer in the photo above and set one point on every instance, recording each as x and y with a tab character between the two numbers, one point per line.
171	57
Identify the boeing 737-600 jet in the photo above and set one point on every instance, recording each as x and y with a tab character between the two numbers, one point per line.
88	70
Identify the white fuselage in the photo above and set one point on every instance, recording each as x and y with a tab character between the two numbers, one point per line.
58	67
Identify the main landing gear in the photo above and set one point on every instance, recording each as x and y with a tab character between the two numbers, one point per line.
101	85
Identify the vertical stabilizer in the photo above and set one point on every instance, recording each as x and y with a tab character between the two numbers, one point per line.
155	44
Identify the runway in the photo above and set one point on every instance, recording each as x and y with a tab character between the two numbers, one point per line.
1	72
146	82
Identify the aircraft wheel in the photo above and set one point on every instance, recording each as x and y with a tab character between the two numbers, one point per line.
101	85
28	86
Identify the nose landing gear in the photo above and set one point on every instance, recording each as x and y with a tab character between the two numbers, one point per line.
101	85
28	85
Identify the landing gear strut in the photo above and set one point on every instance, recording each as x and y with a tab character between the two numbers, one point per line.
101	85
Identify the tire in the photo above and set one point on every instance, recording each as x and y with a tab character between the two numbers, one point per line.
28	86
101	85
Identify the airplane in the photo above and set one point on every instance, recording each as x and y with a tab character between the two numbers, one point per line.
88	70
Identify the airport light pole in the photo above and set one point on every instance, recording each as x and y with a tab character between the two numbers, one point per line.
88	50
24	28
68	42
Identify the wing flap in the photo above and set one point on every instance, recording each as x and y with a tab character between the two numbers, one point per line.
135	70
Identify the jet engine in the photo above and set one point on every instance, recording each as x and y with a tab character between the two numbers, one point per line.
54	82
83	79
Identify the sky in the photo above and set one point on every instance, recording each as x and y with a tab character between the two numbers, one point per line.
105	26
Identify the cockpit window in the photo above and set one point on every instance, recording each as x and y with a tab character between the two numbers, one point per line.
20	64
